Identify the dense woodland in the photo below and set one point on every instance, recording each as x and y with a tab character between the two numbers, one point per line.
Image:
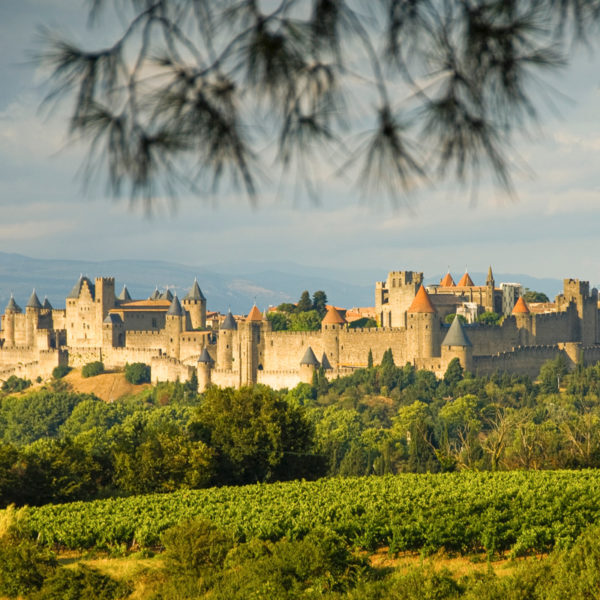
57	445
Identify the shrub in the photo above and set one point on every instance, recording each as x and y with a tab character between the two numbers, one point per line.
137	373
92	369
82	582
60	371
195	547
23	567
15	384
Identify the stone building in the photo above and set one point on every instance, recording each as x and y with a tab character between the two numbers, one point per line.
171	335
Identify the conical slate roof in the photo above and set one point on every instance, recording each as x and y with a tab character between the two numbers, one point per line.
124	295
309	358
325	362
155	295
113	319
254	314
47	304
229	322
175	309
166	295
447	280
34	301
456	335
77	287
465	281
12	305
333	317
195	293
421	302
521	307
205	357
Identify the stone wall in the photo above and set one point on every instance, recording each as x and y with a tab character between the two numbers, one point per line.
164	368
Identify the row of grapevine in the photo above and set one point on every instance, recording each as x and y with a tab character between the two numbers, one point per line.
517	511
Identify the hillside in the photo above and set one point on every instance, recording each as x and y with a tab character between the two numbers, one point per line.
108	386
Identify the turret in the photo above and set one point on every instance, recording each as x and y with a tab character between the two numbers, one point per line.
12	308
251	343
113	332
456	344
174	326
105	301
447	280
195	304
32	314
227	332
423	329
204	368
308	365
490	288
331	325
124	296
524	321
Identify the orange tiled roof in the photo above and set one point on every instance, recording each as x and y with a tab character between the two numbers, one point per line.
521	307
447	281
465	281
421	302
254	314
333	317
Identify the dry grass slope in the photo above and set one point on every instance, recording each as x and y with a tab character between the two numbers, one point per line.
108	386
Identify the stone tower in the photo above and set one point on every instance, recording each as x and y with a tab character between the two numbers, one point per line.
174	326
195	304
204	367
394	296
423	328
33	309
308	366
456	344
105	300
585	327
251	342
490	285
12	308
331	325
524	321
227	337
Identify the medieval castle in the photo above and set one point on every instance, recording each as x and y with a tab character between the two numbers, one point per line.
173	338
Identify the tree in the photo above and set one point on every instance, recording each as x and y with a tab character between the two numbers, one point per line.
454	373
533	296
175	97
489	318
450	318
319	302
304	304
305	321
279	320
92	369
257	436
137	373
551	373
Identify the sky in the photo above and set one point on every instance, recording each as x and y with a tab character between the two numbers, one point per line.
550	229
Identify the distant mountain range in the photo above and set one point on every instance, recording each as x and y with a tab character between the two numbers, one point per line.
235	285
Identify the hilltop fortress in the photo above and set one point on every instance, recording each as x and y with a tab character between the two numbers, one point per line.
173	338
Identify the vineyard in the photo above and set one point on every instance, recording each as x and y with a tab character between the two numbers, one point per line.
519	512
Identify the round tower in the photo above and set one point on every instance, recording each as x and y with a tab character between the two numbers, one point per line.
251	342
227	331
456	344
422	326
204	368
308	366
331	325
195	304
32	315
174	327
12	308
524	321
